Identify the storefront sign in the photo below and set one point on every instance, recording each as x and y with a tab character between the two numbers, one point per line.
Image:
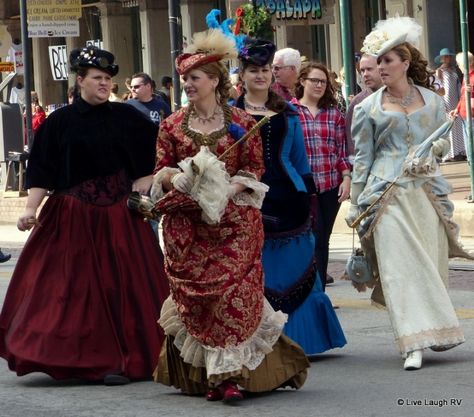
59	62
294	9
53	18
53	10
7	66
53	29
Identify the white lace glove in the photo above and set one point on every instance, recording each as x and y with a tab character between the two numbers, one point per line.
352	214
354	211
440	147
182	182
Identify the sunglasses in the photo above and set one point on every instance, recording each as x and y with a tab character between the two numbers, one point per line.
278	68
136	86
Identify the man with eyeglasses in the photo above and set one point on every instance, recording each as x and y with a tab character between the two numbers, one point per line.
145	100
285	68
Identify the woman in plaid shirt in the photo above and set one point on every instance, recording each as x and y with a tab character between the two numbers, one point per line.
325	141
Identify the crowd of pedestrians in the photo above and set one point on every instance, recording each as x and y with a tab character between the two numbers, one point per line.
239	295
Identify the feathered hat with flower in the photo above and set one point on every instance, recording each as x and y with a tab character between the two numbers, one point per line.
212	45
387	34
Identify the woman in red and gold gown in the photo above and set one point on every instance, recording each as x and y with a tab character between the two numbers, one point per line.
220	331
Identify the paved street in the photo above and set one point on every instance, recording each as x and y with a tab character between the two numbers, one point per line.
365	378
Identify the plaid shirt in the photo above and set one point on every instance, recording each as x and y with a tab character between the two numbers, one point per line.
282	91
325	142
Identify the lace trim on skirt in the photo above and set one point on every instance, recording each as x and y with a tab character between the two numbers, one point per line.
435	339
231	359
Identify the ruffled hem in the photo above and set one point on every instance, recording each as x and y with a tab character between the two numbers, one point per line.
315	326
223	361
285	366
436	339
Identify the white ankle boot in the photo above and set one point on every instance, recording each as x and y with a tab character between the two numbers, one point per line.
413	360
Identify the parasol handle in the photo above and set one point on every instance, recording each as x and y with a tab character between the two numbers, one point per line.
366	212
258	125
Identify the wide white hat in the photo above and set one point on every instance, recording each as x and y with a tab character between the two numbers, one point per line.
392	32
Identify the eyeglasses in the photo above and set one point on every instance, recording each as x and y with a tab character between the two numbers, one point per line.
316	81
136	86
278	67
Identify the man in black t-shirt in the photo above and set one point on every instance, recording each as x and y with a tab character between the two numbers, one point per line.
144	99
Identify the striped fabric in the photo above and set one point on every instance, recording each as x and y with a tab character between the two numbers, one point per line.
451	84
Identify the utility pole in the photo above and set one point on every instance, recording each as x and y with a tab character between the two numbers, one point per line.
27	71
381	9
175	42
347	48
465	47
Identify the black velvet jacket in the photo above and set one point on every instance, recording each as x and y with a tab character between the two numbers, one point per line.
80	142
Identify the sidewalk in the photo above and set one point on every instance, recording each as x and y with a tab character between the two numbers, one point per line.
457	173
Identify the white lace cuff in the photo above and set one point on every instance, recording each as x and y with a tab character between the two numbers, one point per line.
255	197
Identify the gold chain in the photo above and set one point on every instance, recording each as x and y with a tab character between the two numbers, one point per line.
204	138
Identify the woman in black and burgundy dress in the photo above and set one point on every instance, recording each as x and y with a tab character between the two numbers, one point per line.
88	287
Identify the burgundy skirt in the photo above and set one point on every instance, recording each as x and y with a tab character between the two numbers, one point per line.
87	290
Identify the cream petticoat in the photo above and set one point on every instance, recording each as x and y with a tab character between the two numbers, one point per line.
265	361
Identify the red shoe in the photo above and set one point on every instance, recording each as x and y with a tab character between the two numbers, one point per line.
214	394
230	392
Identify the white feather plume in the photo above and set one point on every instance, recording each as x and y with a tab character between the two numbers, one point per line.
213	42
392	32
399	25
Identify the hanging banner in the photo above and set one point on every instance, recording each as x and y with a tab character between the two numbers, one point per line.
58	60
15	55
53	18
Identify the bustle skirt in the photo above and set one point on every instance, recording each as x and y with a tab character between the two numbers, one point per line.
292	285
87	289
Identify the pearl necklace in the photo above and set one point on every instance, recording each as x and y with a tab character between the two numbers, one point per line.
402	101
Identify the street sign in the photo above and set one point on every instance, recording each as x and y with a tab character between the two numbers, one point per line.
59	62
7	66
